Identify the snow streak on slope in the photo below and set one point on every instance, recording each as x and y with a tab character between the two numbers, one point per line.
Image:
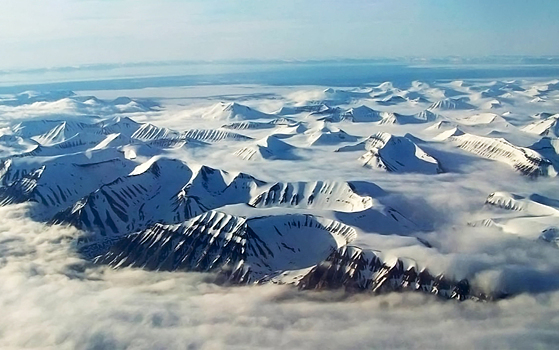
161	190
59	182
269	147
524	160
328	135
425	116
451	104
509	201
48	132
362	114
533	217
546	127
150	132
394	154
233	111
356	269
211	135
245	250
248	125
482	119
11	145
338	196
312	108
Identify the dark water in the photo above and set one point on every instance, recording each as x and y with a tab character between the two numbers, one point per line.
325	73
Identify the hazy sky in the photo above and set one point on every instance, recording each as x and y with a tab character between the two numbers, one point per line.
36	33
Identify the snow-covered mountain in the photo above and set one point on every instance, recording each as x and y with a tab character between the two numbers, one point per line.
257	198
362	114
11	145
441	125
69	105
304	250
249	125
270	147
356	269
310	108
233	111
58	182
328	135
546	127
160	190
524	160
214	135
535	217
338	196
425	116
451	104
246	249
483	119
394	154
549	148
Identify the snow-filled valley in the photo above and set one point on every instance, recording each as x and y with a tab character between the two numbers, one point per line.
437	198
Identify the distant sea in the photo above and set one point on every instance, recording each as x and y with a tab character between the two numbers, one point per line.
325	73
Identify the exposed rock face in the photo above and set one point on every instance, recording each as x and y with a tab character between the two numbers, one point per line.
220	242
320	194
165	190
450	104
250	125
357	270
211	135
259	250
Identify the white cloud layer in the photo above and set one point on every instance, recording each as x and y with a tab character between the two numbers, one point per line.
51	299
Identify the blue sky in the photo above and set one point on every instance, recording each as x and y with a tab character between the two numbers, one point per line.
36	33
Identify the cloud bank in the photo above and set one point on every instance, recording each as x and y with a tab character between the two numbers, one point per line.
51	298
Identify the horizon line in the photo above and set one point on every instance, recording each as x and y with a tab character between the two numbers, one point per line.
448	59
